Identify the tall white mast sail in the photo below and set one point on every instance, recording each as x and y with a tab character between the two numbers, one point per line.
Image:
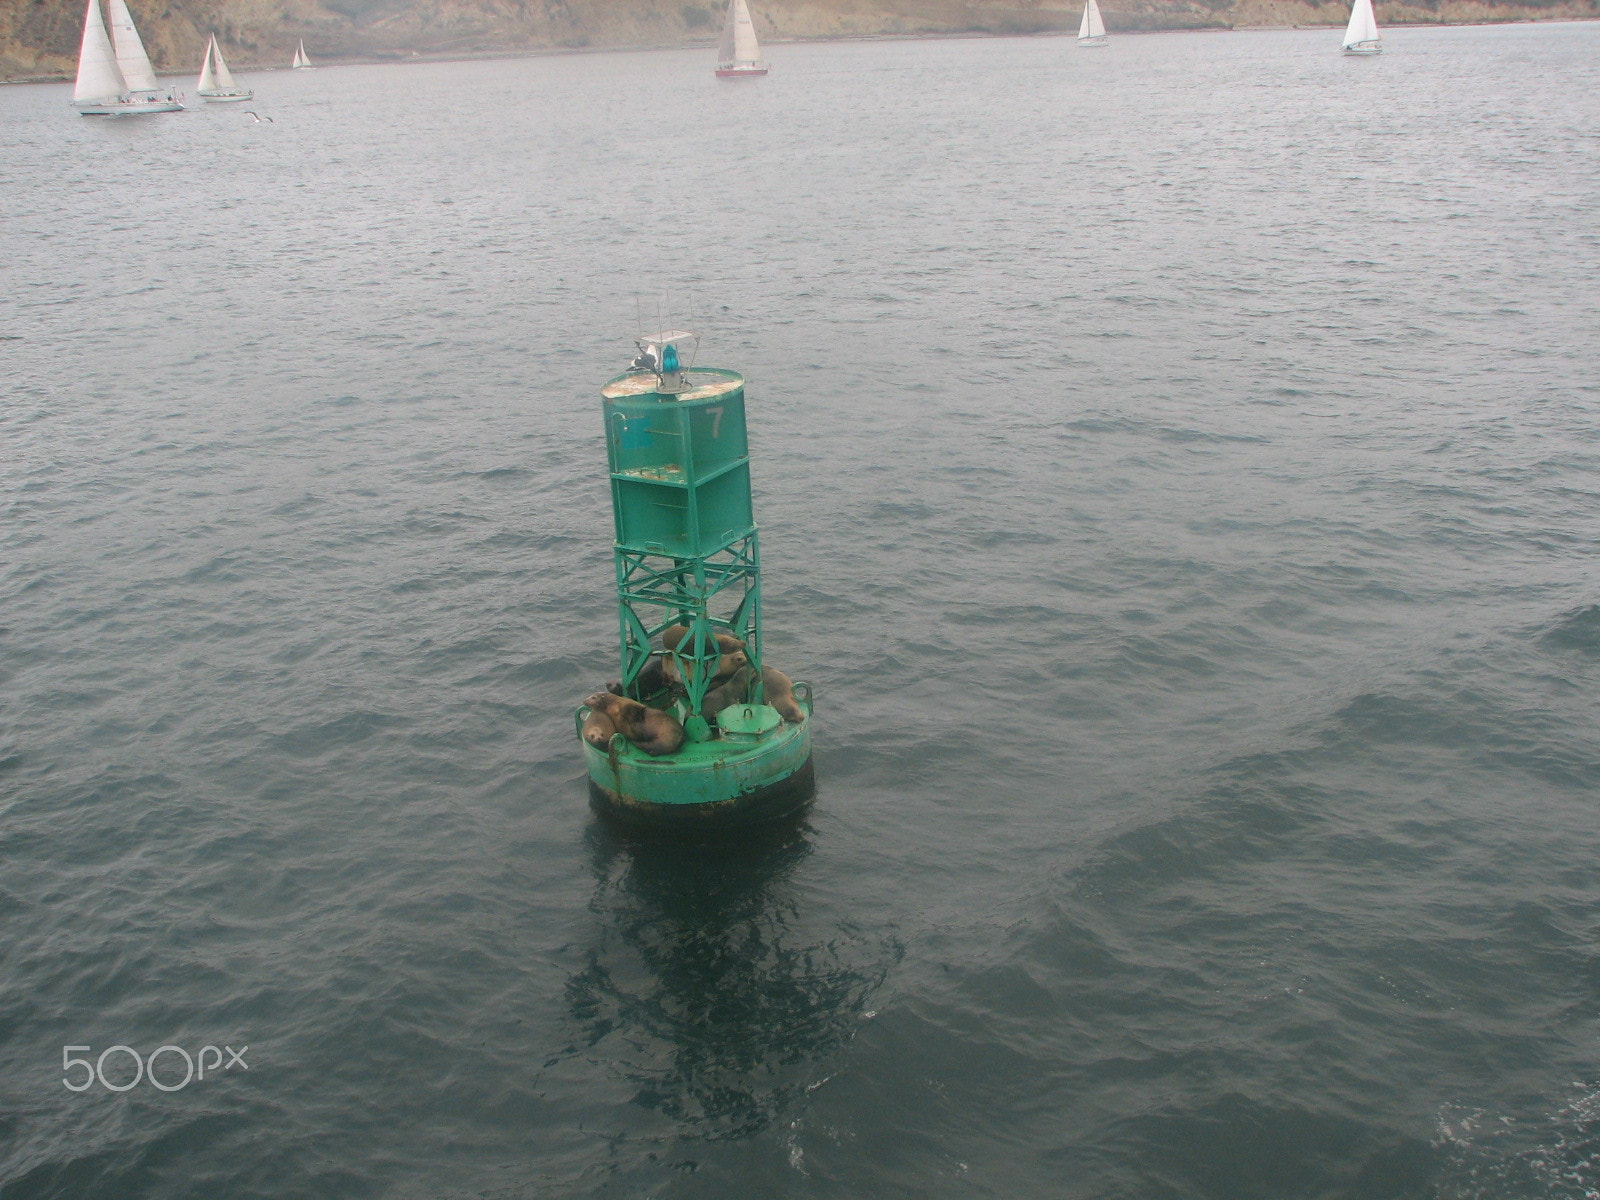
207	82
1362	32
132	61
225	81
738	43
1091	26
98	77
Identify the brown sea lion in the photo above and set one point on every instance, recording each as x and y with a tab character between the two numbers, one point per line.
650	729
651	679
598	729
730	691
678	637
777	688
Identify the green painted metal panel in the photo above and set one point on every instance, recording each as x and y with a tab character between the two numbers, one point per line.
680	472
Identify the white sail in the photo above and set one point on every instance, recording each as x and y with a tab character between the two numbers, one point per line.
301	59
207	81
1091	26
98	77
738	43
1363	28
132	61
225	80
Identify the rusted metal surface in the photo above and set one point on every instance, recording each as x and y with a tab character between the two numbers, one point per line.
708	382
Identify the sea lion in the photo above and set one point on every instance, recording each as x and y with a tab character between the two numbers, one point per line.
730	691
651	679
598	729
680	638
650	729
777	690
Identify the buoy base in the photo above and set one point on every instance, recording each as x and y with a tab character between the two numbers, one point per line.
756	769
762	805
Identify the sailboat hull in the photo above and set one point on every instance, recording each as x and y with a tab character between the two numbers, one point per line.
226	97
741	72
1092	41
1363	48
130	108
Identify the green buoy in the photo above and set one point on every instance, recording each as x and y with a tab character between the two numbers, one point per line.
730	738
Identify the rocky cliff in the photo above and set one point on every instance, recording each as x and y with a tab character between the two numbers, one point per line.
40	37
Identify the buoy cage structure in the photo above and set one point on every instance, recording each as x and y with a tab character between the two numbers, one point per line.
688	558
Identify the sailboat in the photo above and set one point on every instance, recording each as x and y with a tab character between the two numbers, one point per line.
1361	36
1091	30
738	55
216	84
114	73
300	59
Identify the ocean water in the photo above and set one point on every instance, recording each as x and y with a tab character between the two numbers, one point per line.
1178	472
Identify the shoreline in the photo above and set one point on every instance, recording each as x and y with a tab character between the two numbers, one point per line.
398	59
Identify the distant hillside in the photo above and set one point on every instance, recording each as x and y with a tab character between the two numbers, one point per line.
40	37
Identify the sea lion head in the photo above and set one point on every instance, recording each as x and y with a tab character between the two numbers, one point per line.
600	702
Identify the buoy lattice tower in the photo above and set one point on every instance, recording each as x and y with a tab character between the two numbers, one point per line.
687	548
